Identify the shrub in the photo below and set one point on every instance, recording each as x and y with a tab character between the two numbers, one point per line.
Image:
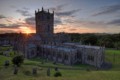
54	62
1	53
57	74
18	60
7	63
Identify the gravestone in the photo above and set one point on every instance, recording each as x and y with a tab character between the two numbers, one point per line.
48	72
15	70
56	68
34	71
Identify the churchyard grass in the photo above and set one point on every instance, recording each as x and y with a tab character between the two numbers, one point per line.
68	72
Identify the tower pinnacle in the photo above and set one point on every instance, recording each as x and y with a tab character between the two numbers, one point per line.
42	9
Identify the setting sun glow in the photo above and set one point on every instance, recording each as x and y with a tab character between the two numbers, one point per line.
26	30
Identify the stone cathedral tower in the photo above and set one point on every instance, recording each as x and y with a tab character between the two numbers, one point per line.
44	24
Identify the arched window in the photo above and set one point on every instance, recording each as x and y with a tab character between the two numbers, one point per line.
90	58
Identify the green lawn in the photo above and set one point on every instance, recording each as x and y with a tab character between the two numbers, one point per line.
7	48
113	56
68	72
38	62
2	59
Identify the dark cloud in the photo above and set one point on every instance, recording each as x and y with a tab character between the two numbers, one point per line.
60	13
30	20
23	12
115	22
108	10
9	26
58	8
57	21
2	16
67	13
25	8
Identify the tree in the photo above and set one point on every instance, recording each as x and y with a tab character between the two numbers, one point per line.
117	45
89	39
18	60
106	41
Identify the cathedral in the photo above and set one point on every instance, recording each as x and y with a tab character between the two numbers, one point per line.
58	48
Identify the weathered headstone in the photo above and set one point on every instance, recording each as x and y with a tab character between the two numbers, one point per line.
34	71
15	70
48	72
56	68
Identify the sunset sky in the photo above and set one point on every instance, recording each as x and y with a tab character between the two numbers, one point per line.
71	16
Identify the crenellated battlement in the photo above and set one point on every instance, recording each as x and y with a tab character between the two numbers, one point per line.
42	10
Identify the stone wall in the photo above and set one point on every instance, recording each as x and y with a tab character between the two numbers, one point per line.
71	55
93	55
59	54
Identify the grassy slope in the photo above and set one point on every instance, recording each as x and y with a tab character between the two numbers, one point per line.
113	74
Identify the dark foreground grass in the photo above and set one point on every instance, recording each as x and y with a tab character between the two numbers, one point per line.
7	74
68	72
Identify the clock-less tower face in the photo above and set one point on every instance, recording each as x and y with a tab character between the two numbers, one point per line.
44	23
